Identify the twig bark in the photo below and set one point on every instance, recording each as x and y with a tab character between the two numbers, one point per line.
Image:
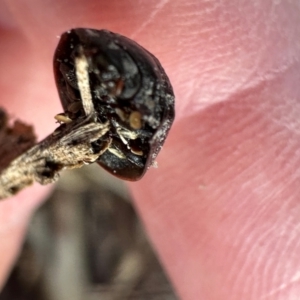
68	147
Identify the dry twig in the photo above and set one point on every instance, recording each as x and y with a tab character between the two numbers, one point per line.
69	146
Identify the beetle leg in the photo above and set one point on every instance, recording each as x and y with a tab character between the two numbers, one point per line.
116	152
63	118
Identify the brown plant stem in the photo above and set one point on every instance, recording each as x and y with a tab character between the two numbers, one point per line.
68	147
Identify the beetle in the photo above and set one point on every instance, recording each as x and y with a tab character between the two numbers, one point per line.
128	88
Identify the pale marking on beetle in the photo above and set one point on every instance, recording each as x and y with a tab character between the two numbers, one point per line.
135	120
82	75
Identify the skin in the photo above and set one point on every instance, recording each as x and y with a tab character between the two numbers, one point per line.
223	208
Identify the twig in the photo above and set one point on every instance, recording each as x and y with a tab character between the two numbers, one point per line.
70	146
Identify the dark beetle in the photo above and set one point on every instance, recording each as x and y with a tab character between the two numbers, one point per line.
129	88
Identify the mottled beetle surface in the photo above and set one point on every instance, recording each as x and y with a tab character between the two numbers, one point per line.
129	89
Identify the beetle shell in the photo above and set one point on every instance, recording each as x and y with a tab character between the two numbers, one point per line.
129	88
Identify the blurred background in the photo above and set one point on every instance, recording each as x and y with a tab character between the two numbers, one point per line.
86	242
